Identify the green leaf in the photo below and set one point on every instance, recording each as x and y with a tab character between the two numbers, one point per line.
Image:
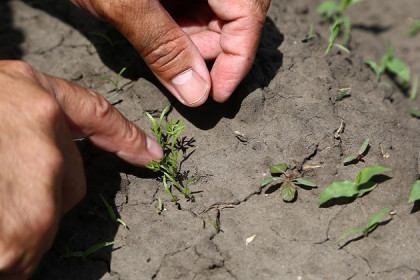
415	192
342	48
364	146
398	67
266	181
347	28
305	182
288	191
335	29
376	69
345	3
97	247
415	29
353	230
366	187
111	211
278	168
338	189
350	158
414	88
376	218
343	93
415	113
328	7
367	173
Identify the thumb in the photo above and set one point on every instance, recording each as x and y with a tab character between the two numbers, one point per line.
166	49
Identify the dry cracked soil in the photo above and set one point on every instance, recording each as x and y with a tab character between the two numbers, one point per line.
285	111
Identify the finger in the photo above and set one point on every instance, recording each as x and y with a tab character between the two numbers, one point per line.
165	47
239	40
90	116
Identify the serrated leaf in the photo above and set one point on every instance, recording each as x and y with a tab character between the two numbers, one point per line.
353	230
338	189
367	173
288	191
364	147
376	69
278	168
350	158
415	192
366	187
328	7
376	218
398	67
305	182
414	88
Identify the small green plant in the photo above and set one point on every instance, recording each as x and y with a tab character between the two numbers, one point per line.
370	226
160	206
112	213
414	29
215	223
414	88
333	12
310	35
167	136
288	181
84	254
360	155
391	64
343	93
116	83
415	113
415	192
360	186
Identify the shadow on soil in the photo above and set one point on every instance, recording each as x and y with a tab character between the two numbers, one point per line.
9	36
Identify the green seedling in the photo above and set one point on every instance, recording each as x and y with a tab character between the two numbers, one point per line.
391	64
333	12
414	29
360	155
309	36
342	93
370	226
415	113
160	206
84	254
415	192
112	213
288	181
414	88
167	136
360	186
215	223
116	82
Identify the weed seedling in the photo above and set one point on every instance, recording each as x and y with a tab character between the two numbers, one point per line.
84	254
116	82
215	223
112	213
309	36
357	188
370	226
391	64
360	155
342	93
415	192
333	12
167	136
414	29
160	206
288	181
414	88
415	113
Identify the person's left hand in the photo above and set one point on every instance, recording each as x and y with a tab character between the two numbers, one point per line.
175	37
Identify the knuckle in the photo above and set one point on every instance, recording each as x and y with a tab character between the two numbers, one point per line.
45	109
166	53
102	109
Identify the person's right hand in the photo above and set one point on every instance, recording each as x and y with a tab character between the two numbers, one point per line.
41	172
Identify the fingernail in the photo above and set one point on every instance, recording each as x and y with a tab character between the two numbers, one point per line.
190	86
154	148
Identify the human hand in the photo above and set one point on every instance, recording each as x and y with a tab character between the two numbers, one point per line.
41	172
174	37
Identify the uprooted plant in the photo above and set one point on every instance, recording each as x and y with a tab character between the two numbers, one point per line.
287	181
167	136
360	186
333	12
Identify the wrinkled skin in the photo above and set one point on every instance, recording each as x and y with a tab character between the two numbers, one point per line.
41	173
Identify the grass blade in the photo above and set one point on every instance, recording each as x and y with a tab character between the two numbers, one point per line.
353	230
376	218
